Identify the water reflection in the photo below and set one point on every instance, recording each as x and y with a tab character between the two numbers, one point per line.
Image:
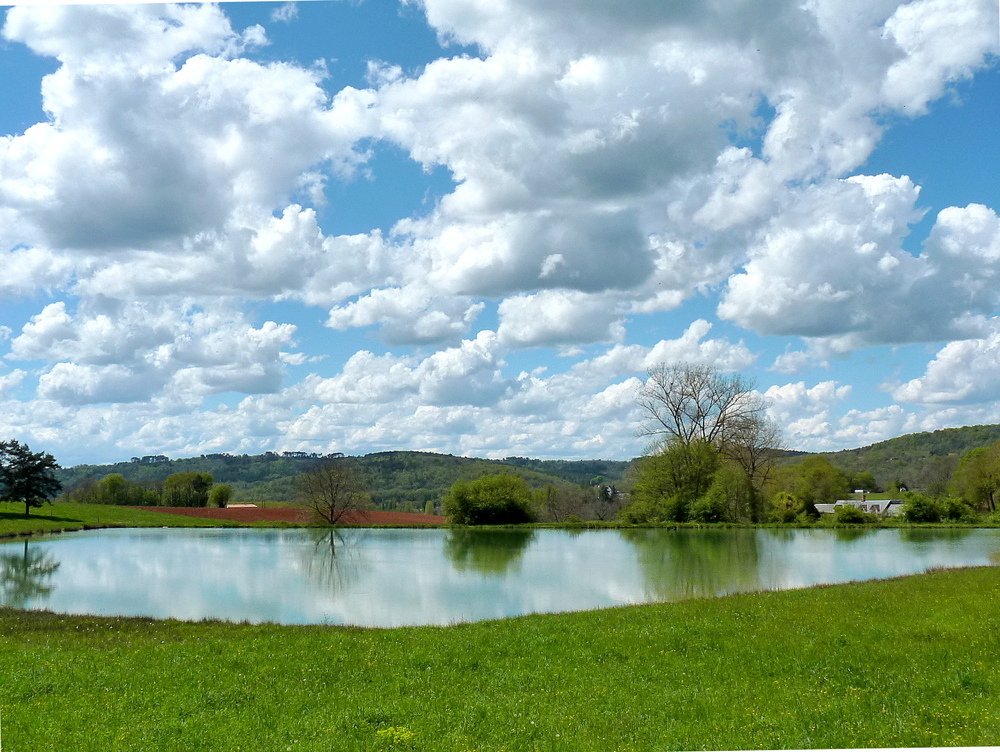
486	551
851	534
25	575
398	577
696	563
917	535
333	561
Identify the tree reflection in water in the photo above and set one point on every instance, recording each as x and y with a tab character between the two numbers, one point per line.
26	575
851	534
933	535
696	563
333	560
486	551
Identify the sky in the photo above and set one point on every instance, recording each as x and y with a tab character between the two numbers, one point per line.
472	226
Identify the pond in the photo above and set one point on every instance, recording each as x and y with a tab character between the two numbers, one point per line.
406	577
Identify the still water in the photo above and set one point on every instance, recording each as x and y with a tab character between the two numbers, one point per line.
401	577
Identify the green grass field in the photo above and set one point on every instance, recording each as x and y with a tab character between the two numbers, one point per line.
906	662
61	517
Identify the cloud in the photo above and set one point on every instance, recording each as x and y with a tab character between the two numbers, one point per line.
468	374
805	413
559	317
28	270
100	35
594	161
692	348
964	371
943	41
11	380
115	352
139	151
285	12
833	268
73	384
408	315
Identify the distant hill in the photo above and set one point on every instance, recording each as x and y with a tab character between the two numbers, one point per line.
394	478
920	460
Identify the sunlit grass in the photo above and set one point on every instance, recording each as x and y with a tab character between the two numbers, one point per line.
906	662
61	517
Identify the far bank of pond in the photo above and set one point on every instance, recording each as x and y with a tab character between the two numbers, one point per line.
393	577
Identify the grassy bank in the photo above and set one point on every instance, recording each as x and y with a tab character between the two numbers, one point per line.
62	517
907	662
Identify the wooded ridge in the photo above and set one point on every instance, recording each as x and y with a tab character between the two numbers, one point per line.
919	460
393	478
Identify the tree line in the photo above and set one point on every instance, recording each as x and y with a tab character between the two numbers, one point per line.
185	489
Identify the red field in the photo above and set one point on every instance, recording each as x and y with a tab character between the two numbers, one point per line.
301	516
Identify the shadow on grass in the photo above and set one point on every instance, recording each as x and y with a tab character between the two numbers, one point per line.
5	516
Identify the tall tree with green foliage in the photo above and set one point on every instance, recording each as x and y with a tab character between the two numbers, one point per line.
731	498
668	482
497	499
816	481
188	489
220	495
113	488
864	480
976	480
27	477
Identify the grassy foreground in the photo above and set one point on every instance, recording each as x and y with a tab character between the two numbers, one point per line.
907	662
62	517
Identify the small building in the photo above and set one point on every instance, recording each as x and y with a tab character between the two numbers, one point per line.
883	507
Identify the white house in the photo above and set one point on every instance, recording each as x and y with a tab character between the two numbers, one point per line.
884	507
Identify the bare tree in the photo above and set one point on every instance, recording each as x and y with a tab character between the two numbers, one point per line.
755	444
330	490
686	403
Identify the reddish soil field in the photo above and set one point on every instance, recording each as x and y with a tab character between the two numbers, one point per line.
301	516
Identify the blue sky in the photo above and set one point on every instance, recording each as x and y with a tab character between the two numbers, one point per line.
471	227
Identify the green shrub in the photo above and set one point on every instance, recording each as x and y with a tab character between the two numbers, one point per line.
956	510
500	499
783	507
920	508
640	512
851	515
651	509
708	508
804	518
783	516
731	497
668	482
